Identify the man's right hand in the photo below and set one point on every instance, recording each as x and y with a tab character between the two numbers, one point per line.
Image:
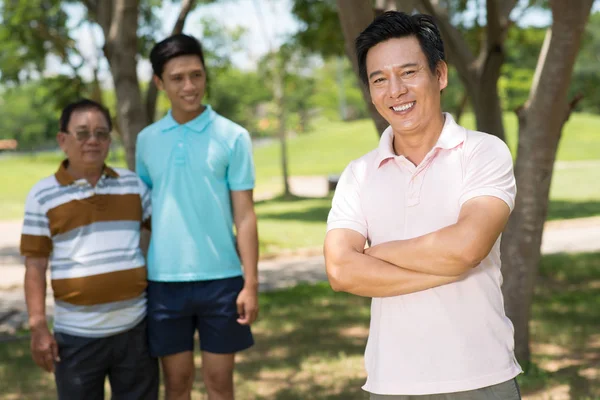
44	348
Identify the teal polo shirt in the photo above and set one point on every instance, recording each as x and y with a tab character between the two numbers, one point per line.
191	169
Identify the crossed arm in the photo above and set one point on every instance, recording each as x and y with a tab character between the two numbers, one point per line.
407	266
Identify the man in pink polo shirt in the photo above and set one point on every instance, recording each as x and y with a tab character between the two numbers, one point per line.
431	201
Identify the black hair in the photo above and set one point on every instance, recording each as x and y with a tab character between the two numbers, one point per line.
395	24
80	105
174	46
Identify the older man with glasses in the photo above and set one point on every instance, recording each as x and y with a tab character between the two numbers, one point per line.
84	223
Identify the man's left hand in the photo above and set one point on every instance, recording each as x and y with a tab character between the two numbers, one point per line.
247	305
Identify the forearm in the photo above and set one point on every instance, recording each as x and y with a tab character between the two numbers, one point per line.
35	295
247	241
367	276
444	252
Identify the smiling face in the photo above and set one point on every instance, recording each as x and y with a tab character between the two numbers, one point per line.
403	88
184	82
87	140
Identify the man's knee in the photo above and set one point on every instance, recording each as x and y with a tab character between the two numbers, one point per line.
178	375
218	380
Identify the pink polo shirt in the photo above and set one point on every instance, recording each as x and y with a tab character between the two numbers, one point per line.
450	338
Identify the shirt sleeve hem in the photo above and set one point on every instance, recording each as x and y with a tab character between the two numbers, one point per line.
348	225
242	186
494	192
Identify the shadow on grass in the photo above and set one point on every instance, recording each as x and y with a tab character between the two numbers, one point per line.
310	342
307	209
560	209
565	328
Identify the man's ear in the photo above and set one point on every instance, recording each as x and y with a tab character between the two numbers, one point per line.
442	74
158	82
61	138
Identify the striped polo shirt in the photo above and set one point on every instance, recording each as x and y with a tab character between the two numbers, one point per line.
91	237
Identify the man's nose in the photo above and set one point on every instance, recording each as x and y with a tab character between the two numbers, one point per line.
188	84
397	87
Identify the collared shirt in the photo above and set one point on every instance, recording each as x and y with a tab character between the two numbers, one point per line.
91	235
191	169
449	338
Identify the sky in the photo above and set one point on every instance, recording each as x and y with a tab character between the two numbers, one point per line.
267	23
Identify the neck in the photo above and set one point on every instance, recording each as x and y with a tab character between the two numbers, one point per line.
183	117
415	145
91	174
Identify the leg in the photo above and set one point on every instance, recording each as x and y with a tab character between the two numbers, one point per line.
217	372
171	336
221	336
82	369
134	374
178	374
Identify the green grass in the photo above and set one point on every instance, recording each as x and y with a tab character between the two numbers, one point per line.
310	342
327	150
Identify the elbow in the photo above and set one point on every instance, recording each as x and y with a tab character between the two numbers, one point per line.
469	259
334	276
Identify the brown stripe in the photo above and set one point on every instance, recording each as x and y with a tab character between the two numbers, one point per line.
98	208
35	246
101	288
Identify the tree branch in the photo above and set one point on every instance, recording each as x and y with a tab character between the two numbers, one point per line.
457	48
152	93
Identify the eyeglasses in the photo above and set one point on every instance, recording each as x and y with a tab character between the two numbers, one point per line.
83	136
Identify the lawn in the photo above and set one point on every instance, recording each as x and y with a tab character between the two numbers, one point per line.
310	343
326	151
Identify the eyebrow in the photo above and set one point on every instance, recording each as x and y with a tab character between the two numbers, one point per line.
407	65
187	72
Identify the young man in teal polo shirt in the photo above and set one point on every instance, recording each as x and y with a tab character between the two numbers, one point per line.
201	276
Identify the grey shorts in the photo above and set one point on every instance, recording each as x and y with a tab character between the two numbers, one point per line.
85	363
508	390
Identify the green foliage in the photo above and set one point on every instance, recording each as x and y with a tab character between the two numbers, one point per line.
236	94
30	31
586	78
29	113
335	79
322	32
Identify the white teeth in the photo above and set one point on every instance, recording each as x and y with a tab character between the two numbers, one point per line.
404	107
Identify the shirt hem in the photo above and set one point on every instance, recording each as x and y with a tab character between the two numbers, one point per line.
395	388
94	334
193	277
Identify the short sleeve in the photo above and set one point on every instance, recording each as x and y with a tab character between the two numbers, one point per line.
240	172
140	165
35	236
489	172
346	209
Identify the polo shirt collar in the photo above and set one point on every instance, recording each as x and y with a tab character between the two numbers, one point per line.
64	178
197	124
452	136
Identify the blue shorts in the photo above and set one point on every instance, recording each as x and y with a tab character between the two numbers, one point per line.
177	309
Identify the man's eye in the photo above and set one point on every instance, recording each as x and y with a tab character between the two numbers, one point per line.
408	73
379	80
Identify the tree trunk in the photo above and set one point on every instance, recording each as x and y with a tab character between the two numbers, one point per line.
355	16
152	93
119	22
279	94
479	75
540	125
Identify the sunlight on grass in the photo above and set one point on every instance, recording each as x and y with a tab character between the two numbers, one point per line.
327	150
310	343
